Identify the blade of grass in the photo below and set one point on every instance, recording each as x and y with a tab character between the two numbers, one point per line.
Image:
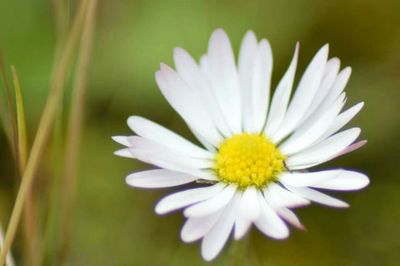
3	113
21	126
9	119
62	15
74	130
45	125
29	215
48	248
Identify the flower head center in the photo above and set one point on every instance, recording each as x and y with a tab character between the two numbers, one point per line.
248	160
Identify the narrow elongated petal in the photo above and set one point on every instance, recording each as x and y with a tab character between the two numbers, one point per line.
328	79
281	96
308	179
171	162
242	226
188	197
123	140
247	55
152	131
185	102
142	146
304	95
191	73
336	90
309	134
158	178
196	227
346	180
124	153
209	146
269	222
281	197
352	147
211	205
248	204
289	217
224	76
319	197
261	82
323	151
342	119
215	239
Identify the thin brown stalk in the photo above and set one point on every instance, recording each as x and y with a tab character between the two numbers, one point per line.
74	131
45	125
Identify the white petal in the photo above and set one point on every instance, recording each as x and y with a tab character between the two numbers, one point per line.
211	205
281	96
242	226
185	101
324	151
309	133
194	77
123	140
196	227
247	54
278	196
329	78
152	152
124	153
352	147
188	197
210	147
205	66
150	130
215	239
170	161
336	90
261	83
346	180
308	179
304	95
269	222
158	178
342	119
224	77
248	204
318	197
289	217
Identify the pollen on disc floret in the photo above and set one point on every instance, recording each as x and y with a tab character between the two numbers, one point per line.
248	160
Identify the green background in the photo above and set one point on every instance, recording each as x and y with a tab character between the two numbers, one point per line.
116	225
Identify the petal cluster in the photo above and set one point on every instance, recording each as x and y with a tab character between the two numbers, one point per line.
219	98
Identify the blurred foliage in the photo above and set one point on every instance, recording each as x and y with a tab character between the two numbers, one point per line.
116	225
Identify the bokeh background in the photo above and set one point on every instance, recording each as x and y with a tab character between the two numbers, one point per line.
116	225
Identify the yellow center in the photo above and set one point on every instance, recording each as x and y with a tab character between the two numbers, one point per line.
248	160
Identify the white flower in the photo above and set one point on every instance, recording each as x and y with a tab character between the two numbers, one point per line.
251	169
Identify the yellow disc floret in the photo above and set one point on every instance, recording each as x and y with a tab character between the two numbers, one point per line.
248	160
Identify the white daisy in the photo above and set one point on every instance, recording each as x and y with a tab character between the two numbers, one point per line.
251	168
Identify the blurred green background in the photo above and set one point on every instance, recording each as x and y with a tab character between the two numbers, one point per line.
115	224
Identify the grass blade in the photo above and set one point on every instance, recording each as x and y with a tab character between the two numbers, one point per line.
29	215
74	130
45	125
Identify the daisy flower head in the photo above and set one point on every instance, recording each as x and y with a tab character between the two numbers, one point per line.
257	149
